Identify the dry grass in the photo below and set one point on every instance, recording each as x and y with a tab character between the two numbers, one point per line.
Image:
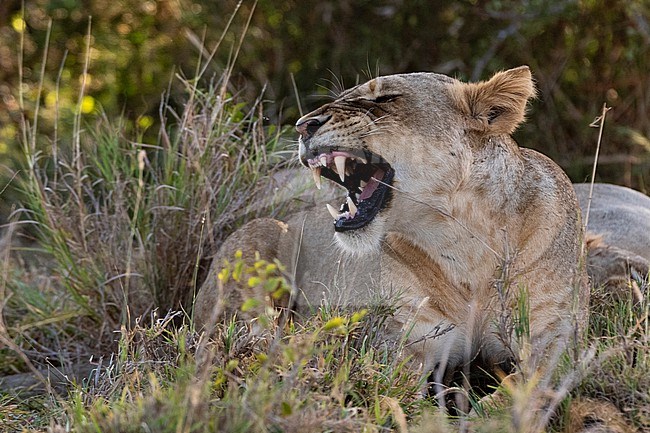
325	375
126	223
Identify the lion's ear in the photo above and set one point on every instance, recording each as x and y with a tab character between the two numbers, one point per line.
496	106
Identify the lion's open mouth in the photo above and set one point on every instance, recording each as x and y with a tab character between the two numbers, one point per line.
366	176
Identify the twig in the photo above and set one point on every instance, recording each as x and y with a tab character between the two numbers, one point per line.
40	87
55	139
295	90
141	156
218	44
599	122
76	132
9	182
197	263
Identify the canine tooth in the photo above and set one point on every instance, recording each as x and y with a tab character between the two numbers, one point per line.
332	211
351	207
363	184
316	173
339	161
323	161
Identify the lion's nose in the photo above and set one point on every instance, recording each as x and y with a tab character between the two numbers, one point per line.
307	127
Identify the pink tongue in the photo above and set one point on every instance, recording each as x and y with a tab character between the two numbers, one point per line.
372	185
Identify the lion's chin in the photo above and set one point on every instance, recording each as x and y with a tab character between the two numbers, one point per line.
362	241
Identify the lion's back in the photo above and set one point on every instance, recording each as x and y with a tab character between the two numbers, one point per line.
620	215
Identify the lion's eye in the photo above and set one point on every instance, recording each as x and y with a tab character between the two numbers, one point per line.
378	100
385	98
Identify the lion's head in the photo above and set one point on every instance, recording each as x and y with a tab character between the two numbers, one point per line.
413	133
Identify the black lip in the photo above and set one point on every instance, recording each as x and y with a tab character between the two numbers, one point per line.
368	209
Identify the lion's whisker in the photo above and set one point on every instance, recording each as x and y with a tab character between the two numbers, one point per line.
378	129
375	131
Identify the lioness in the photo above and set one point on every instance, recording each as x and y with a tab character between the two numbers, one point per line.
618	235
441	207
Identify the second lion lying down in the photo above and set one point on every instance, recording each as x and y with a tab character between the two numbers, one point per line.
443	208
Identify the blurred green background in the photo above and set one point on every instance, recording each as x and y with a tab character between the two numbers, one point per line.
583	53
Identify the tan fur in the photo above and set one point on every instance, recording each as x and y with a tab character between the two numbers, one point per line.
596	416
473	220
499	104
620	215
618	240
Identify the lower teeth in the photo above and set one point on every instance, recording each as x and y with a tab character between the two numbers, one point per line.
351	207
332	211
342	213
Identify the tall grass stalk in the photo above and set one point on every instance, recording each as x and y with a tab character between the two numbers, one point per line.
599	123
